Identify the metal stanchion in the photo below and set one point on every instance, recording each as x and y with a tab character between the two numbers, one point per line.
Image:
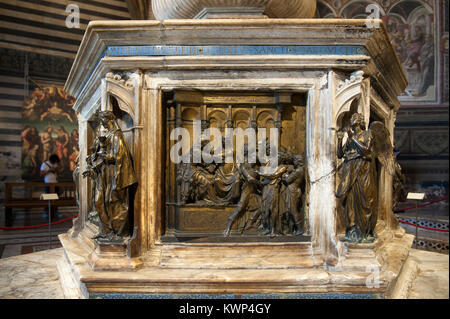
417	223
417	197
49	198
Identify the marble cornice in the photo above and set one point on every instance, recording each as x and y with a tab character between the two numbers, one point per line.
384	66
214	63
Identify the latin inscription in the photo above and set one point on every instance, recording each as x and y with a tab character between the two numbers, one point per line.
170	50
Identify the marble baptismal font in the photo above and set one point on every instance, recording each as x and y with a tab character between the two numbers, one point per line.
236	147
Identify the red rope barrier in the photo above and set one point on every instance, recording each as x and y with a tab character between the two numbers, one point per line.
422	205
424	227
38	226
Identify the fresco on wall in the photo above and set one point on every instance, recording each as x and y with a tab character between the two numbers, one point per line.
412	30
412	27
49	127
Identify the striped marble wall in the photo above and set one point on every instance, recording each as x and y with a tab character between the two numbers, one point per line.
11	97
40	26
34	33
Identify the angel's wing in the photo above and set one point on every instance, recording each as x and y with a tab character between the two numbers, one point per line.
382	147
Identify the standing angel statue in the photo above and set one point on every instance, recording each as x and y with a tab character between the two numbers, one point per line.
113	170
358	187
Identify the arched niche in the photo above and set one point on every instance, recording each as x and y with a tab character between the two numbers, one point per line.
125	122
190	114
355	88
123	92
241	119
265	118
217	119
343	119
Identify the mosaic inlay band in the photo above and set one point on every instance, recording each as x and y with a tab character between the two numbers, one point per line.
185	50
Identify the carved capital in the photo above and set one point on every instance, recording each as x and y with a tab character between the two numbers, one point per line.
117	78
354	79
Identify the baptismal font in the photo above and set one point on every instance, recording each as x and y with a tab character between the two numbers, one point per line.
236	147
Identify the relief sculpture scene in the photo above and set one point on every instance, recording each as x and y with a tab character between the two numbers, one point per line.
250	196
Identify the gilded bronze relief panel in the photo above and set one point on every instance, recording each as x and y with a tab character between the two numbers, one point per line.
234	181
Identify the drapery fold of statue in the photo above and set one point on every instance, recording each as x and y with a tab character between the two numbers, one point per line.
110	166
357	187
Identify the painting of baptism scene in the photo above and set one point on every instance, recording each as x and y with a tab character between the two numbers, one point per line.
49	127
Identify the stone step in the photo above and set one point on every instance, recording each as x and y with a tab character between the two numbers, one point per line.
363	253
360	264
237	256
238	263
235	252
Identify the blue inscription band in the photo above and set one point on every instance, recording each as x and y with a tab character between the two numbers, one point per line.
185	50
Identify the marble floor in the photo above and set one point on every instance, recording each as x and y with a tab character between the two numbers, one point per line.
35	276
31	276
432	277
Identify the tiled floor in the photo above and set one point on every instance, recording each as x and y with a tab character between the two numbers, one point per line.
437	212
18	242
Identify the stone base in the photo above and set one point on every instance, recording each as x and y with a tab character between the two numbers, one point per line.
102	255
249	269
112	256
70	286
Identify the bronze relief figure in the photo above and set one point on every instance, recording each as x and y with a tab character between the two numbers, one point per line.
251	185
293	180
357	188
110	166
357	175
277	196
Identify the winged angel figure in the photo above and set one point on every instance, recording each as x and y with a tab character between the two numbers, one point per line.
357	174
